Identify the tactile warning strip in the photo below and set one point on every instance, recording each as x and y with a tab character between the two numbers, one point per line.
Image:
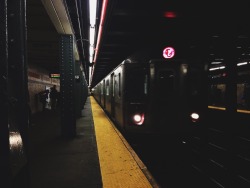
120	166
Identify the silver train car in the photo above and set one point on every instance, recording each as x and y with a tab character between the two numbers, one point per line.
153	96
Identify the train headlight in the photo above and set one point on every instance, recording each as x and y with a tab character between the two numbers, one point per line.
194	116
138	119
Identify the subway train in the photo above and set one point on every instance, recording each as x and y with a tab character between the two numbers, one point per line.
150	94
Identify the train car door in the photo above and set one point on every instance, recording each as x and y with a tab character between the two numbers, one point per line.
112	87
104	94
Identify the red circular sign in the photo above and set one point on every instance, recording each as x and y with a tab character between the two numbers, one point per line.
168	52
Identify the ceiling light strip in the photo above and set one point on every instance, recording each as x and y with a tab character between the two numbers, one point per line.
92	12
103	13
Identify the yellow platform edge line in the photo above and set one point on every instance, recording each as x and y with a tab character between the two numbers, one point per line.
142	166
223	108
120	165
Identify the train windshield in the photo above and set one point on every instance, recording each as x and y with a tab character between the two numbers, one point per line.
165	82
137	85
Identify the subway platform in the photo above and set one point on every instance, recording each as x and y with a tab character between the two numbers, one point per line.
98	157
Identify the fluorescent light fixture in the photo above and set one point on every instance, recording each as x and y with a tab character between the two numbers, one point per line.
92	12
90	59
217	68
222	67
90	72
99	35
91	50
216	62
91	36
212	69
240	64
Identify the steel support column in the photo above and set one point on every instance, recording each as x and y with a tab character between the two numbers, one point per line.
78	89
17	92
67	87
4	131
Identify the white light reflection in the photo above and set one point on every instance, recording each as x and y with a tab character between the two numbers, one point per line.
16	142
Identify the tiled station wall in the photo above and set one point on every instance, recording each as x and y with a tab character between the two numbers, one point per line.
38	80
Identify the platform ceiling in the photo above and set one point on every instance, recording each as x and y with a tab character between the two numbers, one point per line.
207	28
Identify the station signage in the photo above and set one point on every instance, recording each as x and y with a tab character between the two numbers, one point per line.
168	52
54	75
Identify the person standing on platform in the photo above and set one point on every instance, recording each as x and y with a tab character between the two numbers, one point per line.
53	97
43	98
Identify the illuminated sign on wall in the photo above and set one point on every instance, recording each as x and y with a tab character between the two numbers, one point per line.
54	75
168	52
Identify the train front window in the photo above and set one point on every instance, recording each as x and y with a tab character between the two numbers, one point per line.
165	82
137	85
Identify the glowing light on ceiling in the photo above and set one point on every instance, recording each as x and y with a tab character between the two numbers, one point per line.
170	14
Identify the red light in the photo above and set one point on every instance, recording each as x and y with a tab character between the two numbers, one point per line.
169	14
168	52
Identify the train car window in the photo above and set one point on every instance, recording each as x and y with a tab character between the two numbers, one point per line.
146	84
165	82
101	89
107	87
113	85
119	84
